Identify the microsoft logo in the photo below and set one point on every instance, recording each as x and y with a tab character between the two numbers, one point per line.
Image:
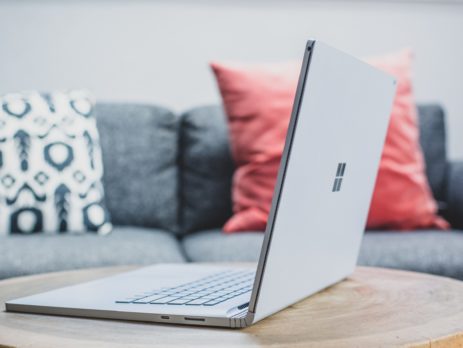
339	175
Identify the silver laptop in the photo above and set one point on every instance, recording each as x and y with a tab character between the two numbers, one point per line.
313	235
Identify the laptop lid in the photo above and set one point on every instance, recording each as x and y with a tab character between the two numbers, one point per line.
326	178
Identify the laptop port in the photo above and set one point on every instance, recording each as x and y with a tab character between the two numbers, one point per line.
243	306
195	319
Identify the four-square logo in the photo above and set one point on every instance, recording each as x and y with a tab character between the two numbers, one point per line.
339	175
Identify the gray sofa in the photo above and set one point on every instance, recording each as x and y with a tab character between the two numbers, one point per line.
167	181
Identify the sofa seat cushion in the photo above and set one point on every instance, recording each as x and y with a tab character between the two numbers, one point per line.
436	252
432	251
22	255
215	246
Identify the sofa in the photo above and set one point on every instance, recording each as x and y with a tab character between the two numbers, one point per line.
168	180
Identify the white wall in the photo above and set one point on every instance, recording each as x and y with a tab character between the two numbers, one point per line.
158	51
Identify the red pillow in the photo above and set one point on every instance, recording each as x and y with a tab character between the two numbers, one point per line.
258	100
402	198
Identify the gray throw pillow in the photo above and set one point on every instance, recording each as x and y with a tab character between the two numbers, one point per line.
50	164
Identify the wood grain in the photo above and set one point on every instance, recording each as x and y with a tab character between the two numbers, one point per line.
372	308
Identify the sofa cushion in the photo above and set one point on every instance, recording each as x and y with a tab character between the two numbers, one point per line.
206	169
140	149
454	194
50	164
216	246
433	143
435	252
402	198
258	99
22	255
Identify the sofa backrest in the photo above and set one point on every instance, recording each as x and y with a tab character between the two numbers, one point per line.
206	169
207	166
434	145
175	172
140	151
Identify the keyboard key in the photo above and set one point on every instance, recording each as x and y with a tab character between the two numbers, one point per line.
164	300
185	293
179	301
210	297
216	301
149	299
127	300
198	302
201	293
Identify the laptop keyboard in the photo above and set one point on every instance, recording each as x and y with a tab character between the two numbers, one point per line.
207	291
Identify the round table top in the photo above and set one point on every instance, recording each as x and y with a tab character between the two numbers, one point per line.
373	307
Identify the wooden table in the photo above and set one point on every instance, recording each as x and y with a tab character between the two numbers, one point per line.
374	307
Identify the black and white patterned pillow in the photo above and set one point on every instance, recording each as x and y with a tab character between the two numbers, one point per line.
50	164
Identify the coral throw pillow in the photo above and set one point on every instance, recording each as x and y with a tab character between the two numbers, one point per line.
258	101
402	198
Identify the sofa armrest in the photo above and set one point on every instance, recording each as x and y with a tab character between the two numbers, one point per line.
454	207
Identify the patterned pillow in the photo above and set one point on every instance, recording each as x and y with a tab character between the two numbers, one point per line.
50	164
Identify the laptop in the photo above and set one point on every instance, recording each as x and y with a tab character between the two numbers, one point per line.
314	231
